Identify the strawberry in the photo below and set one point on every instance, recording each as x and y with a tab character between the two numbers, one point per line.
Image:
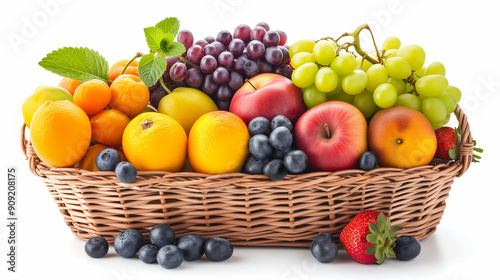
369	238
447	143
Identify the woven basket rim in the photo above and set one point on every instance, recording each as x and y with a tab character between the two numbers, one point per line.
458	167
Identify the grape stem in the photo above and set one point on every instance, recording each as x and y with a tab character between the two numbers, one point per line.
186	61
357	44
164	86
137	55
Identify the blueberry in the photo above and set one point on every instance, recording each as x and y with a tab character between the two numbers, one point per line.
281	120
280	154
407	247
259	125
281	138
275	169
148	252
161	235
170	256
192	245
125	172
218	249
368	161
259	146
107	159
323	248
96	247
128	243
295	161
254	165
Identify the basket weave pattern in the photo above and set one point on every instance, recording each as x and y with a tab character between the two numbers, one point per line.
250	209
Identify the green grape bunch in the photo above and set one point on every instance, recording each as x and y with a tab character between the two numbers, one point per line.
395	75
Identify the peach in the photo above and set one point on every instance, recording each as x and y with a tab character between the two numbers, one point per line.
401	137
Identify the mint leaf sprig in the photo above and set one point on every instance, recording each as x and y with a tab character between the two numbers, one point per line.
160	40
81	64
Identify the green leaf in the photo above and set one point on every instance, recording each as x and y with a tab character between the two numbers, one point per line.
371	250
81	64
381	221
380	257
151	68
373	228
169	25
390	254
154	38
372	238
176	49
394	229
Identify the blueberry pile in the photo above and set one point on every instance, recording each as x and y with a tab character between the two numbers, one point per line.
163	249
271	149
109	160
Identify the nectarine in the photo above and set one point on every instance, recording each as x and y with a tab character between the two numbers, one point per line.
401	137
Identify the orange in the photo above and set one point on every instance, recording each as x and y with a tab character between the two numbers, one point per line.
92	96
154	141
401	137
116	69
69	84
39	96
88	161
108	127
218	143
129	94
60	133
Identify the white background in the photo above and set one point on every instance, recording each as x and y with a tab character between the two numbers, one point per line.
461	34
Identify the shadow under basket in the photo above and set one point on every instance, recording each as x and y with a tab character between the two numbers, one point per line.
251	210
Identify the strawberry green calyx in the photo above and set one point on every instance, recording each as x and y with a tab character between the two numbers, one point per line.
383	237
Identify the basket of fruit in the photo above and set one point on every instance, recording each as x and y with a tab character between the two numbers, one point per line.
244	138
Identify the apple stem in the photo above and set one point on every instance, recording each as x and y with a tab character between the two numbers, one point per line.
246	80
327	129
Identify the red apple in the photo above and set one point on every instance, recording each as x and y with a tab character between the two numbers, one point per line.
333	135
268	95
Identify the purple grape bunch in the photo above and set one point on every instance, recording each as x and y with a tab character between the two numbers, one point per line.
219	65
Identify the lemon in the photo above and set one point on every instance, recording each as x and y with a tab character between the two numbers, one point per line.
186	105
218	143
39	96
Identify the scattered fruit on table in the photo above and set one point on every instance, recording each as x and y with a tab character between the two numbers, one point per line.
155	141
271	148
128	242
60	133
186	105
407	248
268	95
161	235
323	248
401	137
170	256
218	143
148	253
368	161
332	135
41	95
369	238
218	249
96	247
163	247
192	245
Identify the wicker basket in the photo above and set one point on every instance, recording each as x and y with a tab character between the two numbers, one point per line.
250	209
